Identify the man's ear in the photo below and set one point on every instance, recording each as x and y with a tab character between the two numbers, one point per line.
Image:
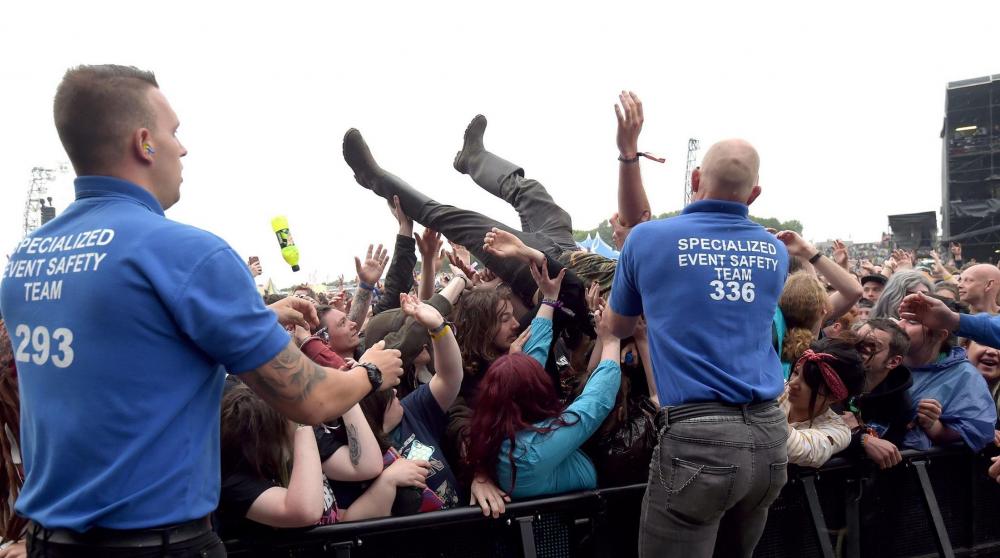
753	194
140	139
894	362
695	179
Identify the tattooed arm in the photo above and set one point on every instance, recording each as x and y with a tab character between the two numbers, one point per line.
360	304
361	459
308	393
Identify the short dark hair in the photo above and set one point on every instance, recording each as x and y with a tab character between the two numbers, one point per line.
864	303
95	110
899	342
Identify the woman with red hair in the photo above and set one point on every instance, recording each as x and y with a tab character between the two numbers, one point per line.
524	439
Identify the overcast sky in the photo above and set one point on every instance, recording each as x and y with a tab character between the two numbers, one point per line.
845	104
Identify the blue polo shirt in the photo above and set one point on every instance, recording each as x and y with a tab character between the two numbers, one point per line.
708	283
122	323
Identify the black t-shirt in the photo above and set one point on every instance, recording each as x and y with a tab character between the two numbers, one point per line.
242	486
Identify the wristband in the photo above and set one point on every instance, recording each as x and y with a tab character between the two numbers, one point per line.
440	333
366	286
557	304
815	257
649	156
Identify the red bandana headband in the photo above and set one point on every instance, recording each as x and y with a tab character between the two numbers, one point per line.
838	391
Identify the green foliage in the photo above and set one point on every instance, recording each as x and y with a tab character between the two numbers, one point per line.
604	229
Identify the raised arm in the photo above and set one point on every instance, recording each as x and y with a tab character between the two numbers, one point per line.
633	205
429	245
399	279
848	290
369	274
447	380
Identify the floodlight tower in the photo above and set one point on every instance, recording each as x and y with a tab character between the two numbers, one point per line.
693	145
40	178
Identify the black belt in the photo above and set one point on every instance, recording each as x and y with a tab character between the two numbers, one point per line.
670	415
132	538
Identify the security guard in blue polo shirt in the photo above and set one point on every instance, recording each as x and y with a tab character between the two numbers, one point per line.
124	323
708	283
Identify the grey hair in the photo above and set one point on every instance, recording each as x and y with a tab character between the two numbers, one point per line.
895	290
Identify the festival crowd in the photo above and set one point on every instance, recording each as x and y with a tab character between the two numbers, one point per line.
512	366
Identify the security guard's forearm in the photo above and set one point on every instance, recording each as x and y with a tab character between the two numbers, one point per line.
304	391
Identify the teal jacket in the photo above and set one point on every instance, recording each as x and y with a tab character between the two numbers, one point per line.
553	463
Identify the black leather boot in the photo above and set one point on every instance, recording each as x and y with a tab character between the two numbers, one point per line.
370	175
486	169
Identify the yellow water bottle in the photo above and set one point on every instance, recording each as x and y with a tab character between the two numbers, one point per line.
289	251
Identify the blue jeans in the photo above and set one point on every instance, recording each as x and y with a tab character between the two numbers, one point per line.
711	481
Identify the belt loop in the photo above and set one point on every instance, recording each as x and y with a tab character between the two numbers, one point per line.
746	413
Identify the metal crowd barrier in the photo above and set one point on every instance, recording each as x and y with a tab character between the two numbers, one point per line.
935	503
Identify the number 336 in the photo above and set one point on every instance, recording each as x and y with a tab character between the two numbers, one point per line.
736	291
41	345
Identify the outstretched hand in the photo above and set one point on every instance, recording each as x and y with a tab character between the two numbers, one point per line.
503	244
294	311
425	314
549	286
931	312
405	223
840	255
630	118
797	246
429	244
371	270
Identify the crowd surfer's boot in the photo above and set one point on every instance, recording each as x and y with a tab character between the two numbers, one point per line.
486	169
369	174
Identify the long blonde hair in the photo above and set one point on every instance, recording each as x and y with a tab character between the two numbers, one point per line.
803	303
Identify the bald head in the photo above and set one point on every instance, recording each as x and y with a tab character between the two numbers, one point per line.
978	287
729	171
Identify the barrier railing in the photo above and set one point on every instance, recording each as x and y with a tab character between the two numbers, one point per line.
935	503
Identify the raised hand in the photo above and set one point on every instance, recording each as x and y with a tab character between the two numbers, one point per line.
840	255
902	259
405	223
371	270
797	246
293	311
425	314
503	244
429	244
593	296
549	286
630	118
460	267
619	232
339	301
461	252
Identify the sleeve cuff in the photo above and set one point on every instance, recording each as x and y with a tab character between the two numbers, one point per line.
272	344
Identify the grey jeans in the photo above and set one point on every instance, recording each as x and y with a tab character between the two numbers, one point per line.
538	212
711	481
